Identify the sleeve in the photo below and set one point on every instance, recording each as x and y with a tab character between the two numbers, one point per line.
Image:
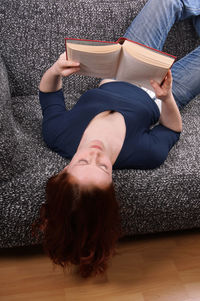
54	116
52	103
160	140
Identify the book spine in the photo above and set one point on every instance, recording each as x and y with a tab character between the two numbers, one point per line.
122	39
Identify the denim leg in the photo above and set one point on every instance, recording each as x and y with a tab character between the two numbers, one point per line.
196	23
152	24
151	27
186	78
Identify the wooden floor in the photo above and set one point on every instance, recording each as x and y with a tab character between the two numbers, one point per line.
161	267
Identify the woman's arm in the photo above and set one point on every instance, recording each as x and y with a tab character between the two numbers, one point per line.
52	79
170	116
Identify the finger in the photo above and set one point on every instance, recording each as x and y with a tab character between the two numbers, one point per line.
157	89
68	64
69	71
63	57
63	54
168	80
72	64
169	75
155	85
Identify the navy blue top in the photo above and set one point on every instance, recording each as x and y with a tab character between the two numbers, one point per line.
144	147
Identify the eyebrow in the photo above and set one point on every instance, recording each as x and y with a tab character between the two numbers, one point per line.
78	164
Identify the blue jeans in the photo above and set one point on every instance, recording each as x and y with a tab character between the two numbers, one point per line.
151	27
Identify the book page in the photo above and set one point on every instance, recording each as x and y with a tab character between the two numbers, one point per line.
138	72
96	61
148	55
89	42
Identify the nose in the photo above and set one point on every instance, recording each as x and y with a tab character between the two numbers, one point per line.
94	155
94	151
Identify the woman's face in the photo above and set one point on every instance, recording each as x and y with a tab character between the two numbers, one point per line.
91	165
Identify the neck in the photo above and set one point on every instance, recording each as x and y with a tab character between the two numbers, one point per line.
108	128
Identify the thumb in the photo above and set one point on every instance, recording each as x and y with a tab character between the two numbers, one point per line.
154	85
70	71
157	89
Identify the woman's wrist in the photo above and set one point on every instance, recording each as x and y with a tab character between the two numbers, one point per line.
51	80
55	70
168	97
170	114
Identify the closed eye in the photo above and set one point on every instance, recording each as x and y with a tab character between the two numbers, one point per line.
103	166
83	161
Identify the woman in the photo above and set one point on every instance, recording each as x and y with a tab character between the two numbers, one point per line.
112	126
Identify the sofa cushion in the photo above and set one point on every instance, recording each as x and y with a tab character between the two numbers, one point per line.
163	199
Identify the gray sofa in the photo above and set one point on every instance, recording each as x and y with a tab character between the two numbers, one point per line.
32	37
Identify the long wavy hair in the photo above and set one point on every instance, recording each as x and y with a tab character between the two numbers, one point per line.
79	225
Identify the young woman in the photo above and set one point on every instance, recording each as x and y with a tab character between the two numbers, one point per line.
117	125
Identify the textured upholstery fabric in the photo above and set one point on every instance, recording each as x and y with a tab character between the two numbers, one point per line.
32	37
4	83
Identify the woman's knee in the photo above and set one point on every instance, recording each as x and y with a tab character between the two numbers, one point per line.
168	6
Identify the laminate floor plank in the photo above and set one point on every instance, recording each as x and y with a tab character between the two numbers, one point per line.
159	267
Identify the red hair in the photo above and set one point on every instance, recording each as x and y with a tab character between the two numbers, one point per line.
80	226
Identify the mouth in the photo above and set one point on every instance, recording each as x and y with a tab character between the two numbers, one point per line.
96	146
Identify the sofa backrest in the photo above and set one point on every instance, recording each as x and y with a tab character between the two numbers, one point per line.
33	32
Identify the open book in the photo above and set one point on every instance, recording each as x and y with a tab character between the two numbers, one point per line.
124	60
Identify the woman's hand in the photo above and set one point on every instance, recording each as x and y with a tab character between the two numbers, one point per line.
164	90
52	79
170	116
63	67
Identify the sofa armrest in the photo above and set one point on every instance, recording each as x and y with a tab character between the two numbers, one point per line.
4	83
